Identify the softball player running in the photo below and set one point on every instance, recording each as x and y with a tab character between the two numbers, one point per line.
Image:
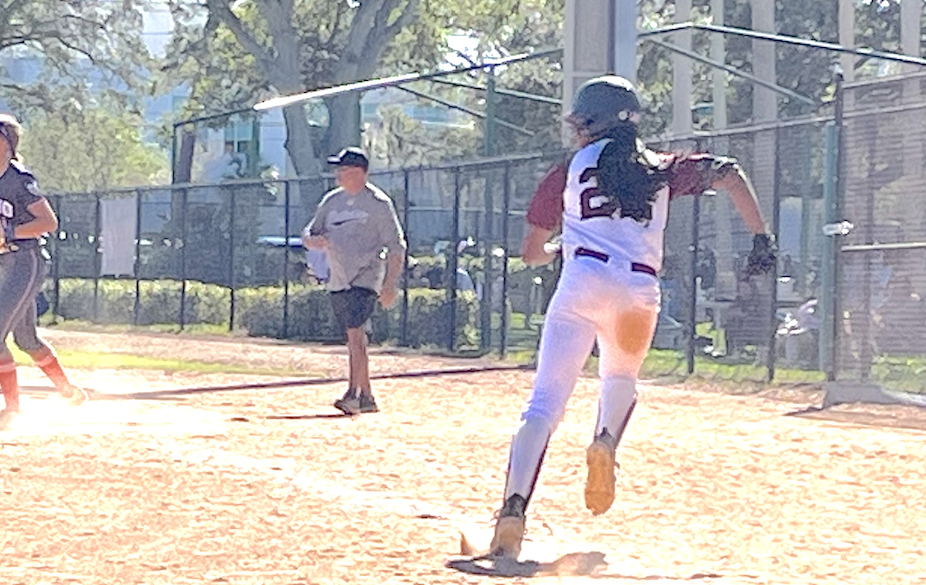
25	216
612	203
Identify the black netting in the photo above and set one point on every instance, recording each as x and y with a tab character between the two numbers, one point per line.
881	321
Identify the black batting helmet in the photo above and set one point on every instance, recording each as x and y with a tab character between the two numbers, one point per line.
601	103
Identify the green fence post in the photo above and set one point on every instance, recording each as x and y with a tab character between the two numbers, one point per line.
453	262
828	268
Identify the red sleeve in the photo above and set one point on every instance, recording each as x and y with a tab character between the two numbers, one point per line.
696	173
546	207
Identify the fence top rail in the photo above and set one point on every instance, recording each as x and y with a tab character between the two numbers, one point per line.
882	247
856	112
879	111
461	166
855	84
745	130
506	161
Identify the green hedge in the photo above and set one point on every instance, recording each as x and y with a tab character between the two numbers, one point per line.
159	302
259	310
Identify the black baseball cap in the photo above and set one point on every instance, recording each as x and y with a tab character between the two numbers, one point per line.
350	157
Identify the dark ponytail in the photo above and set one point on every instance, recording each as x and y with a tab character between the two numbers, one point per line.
625	173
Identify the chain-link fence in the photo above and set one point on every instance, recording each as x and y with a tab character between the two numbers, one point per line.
732	326
880	331
229	255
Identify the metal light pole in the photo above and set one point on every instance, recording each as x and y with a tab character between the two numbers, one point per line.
488	238
624	34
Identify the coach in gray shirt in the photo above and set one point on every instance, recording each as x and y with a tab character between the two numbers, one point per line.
354	225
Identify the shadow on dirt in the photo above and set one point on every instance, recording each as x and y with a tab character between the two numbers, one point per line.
579	564
867	415
319	416
164	394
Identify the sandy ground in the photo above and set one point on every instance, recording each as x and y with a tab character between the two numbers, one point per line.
185	478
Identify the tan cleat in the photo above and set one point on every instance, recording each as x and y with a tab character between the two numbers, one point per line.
599	486
509	529
509	533
75	395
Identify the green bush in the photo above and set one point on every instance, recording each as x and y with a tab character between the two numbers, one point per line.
159	302
311	317
259	310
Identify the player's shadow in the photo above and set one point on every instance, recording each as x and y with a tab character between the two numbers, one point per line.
579	564
38	390
319	416
175	393
52	392
908	416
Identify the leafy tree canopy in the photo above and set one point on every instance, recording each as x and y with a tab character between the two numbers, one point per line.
77	150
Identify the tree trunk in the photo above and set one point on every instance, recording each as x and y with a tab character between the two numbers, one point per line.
299	143
183	172
343	121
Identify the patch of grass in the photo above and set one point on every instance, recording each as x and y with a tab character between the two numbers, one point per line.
906	373
195	329
91	360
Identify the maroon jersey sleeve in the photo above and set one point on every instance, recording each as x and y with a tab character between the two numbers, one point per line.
694	174
546	206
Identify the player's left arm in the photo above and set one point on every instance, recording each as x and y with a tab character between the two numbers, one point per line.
394	240
44	221
700	172
764	255
735	182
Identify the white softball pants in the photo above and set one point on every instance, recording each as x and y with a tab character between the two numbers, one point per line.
593	299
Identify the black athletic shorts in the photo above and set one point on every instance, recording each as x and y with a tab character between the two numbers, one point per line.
353	307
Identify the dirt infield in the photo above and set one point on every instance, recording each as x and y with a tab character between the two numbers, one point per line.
248	480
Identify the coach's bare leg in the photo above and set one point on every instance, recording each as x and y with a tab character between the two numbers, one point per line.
351	376
359	360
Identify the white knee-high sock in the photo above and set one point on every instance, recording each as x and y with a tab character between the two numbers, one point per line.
615	405
527	450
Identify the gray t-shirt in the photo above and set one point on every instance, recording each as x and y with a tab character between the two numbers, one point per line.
358	227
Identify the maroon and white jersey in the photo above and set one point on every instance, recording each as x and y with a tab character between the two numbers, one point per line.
591	219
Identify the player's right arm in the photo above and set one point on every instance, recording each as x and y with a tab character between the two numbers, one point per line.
544	214
534	249
313	236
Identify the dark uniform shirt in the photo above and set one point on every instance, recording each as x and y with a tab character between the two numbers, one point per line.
18	190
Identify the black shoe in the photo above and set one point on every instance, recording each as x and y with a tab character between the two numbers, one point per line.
349	403
368	403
